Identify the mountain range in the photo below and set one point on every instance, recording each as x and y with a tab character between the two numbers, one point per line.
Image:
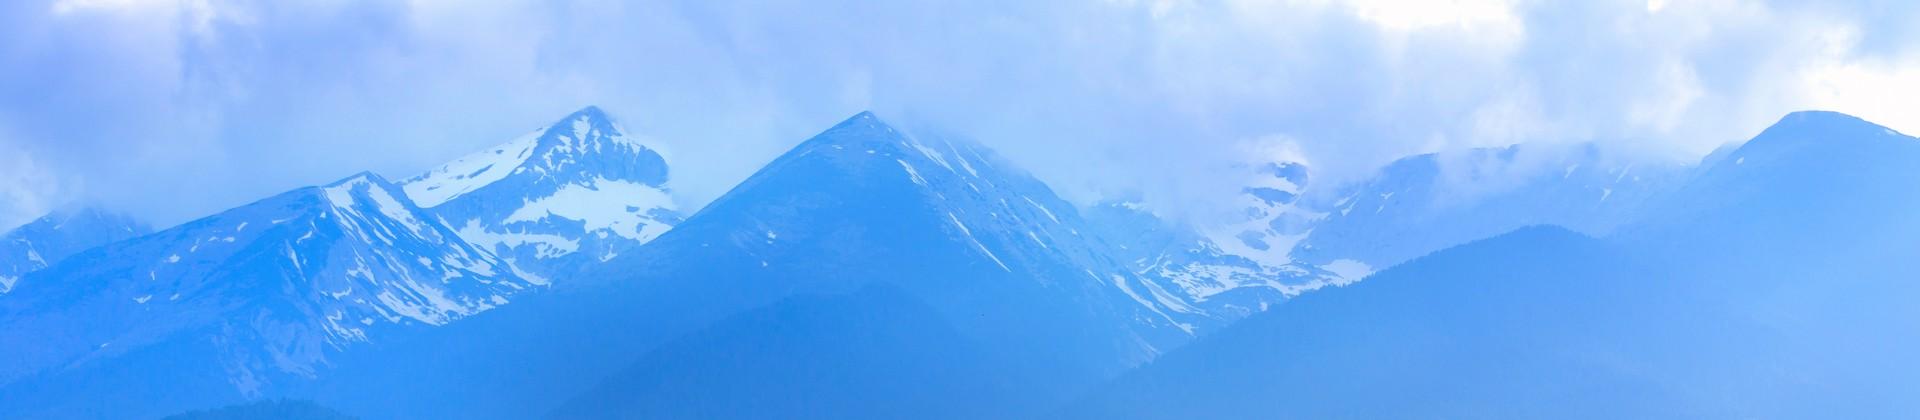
874	272
1754	290
266	297
986	249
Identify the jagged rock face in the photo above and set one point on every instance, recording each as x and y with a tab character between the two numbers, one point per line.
1273	220
54	237
551	202
1230	269
261	294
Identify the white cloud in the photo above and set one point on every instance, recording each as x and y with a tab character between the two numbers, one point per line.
1882	89
1674	90
27	189
1886	92
1409	15
64	7
198	15
1083	93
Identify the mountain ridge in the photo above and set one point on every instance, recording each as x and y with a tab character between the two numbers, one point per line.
51	238
265	294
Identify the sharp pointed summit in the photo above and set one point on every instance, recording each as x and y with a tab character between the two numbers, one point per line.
943	219
865	139
579	191
591	112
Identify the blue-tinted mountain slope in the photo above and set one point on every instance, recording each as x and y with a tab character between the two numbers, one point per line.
1425	203
239	304
874	353
1538	323
1774	284
47	240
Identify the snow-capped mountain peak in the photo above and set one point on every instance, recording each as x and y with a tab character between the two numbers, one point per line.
566	148
591	128
578	191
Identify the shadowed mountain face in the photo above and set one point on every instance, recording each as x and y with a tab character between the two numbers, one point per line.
875	353
1809	232
1538	323
266	410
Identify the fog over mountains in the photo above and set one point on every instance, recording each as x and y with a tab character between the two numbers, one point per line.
1767	284
876	272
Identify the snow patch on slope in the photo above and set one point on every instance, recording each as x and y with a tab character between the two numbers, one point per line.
1348	270
976	242
547	245
618	206
471	172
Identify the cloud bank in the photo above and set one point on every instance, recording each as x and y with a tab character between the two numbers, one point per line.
179	108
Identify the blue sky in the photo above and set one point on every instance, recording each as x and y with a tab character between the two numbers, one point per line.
177	109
